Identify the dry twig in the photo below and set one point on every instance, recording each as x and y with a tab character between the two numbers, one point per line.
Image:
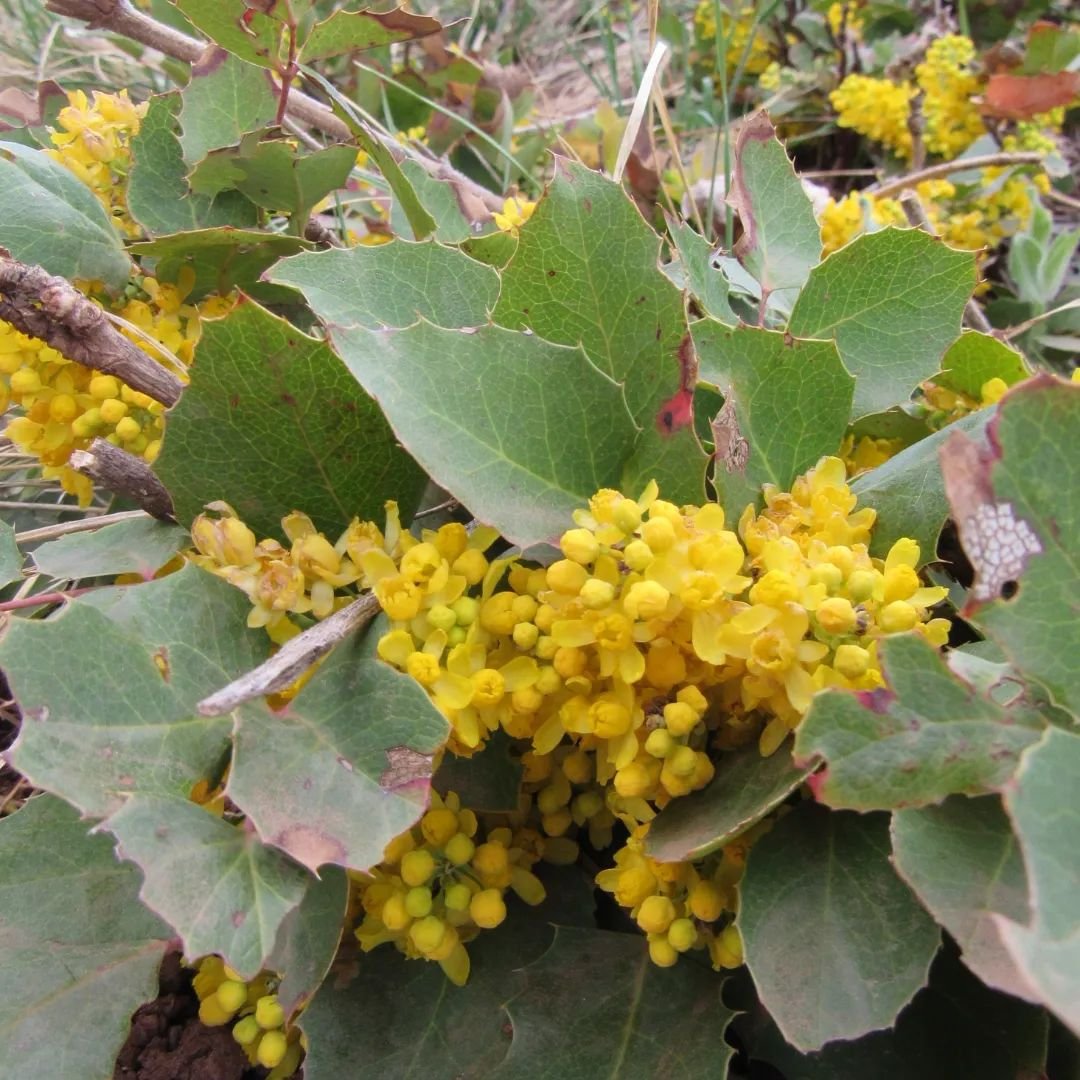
125	474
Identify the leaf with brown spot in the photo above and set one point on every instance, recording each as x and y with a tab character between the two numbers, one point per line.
1020	97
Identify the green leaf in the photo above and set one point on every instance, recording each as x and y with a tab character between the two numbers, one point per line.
786	405
355	31
213	882
158	195
273	422
956	1027
221	259
835	941
781	241
50	218
745	788
612	1011
350	758
80	952
121	718
893	301
490	781
139	546
277	177
908	491
1016	505
402	1018
225	99
973	359
392	285
586	272
238	27
308	939
924	735
695	272
445	201
962	861
479	409
11	559
1044	805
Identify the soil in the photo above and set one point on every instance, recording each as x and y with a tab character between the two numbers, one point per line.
167	1041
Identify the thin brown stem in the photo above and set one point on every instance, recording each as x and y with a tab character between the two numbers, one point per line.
38	599
50	532
947	168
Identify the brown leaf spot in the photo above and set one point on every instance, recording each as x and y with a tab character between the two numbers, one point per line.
551	273
732	449
405	768
288	399
310	846
239	918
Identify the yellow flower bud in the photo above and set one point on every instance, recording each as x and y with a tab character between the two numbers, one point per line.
439	825
492	865
566	577
580	545
836	615
231	995
682	934
682	761
656	914
633	780
901	583
271	1049
658	533
634	886
394	914
707	901
680	718
646	600
268	1012
637	555
112	410
897	617
487	909
427	934
627	516
662	953
659	743
418	902
458	896
596	594
860	584
459	849
417	867
852	661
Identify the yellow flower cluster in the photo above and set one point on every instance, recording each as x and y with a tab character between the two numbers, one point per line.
94	142
259	1022
65	405
439	885
739	32
876	108
866	453
845	16
949	84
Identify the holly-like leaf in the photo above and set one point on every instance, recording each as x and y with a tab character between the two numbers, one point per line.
273	422
925	734
955	1027
221	259
455	211
49	217
351	759
1045	808
836	943
226	98
781	241
158	195
490	781
586	272
355	31
787	404
519	430
908	491
276	176
962	861
11	559
140	546
308	939
1015	504
392	285
241	28
80	952
695	272
220	888
892	300
599	996
973	359
122	718
745	788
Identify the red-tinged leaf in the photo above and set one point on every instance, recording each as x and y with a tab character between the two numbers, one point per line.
1020	97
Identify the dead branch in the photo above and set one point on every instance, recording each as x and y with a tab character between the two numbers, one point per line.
47	307
125	474
292	659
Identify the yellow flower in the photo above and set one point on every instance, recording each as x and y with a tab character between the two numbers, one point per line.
515	213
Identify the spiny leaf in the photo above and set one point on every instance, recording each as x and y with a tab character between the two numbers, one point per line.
585	271
355	31
239	27
973	359
835	941
1045	808
786	405
781	241
225	98
924	735
158	195
49	217
892	300
80	952
221	889
962	861
392	285
351	759
140	546
1015	505
694	271
520	430
745	788
122	719
273	422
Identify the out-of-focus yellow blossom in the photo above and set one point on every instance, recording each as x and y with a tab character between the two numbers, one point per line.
515	213
741	34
